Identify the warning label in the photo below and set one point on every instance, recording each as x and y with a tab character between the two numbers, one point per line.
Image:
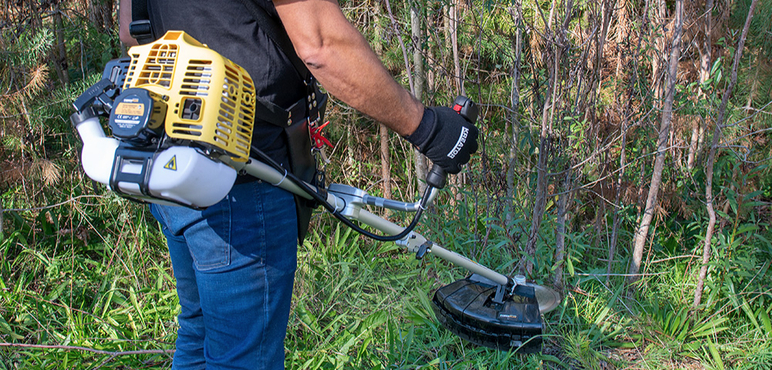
172	164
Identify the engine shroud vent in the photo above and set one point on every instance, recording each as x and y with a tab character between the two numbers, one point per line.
211	99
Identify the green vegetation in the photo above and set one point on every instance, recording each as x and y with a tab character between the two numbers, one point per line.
86	283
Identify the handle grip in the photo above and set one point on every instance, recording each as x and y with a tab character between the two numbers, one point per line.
467	109
436	177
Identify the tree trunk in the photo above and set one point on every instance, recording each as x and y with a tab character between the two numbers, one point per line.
421	163
457	80
383	132
693	141
712	156
411	82
659	49
101	15
705	64
385	161
351	162
623	156
514	117
540	199
607	14
754	85
617	204
453	27
2	212
60	50
600	218
402	47
642	232
539	202
560	230
622	28
545	144
35	12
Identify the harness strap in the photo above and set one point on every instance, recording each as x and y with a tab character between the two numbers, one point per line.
312	106
140	27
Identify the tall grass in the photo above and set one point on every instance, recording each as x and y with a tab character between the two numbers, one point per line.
102	296
85	300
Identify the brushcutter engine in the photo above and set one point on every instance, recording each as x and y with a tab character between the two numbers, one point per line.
176	108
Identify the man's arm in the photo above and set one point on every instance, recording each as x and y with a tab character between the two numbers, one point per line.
124	20
341	59
338	56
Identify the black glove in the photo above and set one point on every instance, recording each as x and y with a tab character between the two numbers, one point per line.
445	137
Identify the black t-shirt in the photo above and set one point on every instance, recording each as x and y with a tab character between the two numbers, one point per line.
228	27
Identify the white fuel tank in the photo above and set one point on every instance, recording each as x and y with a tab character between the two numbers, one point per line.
177	174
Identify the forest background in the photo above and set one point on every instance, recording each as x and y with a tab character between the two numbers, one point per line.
624	161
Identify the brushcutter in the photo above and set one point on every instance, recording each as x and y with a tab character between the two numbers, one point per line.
181	116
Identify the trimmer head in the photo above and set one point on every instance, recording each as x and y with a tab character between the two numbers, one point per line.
467	308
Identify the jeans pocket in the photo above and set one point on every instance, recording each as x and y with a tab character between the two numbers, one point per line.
209	237
210	257
205	234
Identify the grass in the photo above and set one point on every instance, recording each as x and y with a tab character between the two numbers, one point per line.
105	299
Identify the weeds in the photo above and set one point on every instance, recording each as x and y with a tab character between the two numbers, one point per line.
105	298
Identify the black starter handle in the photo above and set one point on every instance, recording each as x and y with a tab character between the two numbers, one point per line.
467	109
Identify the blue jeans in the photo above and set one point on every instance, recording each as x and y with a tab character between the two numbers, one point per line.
234	263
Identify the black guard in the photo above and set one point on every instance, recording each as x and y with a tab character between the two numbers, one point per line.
466	308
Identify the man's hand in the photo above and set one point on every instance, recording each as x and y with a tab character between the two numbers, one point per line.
445	137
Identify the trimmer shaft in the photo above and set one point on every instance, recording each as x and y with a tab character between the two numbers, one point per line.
466	307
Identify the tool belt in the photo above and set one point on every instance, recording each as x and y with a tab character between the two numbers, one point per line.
303	164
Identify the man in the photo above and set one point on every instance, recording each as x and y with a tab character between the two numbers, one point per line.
235	261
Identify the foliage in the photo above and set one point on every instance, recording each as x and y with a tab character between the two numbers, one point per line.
86	282
759	26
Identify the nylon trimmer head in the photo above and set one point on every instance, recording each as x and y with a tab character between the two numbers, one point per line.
470	309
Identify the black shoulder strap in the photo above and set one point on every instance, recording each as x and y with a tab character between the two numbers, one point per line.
278	35
142	30
140	27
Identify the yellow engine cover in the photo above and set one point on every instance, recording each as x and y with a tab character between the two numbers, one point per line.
211	100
